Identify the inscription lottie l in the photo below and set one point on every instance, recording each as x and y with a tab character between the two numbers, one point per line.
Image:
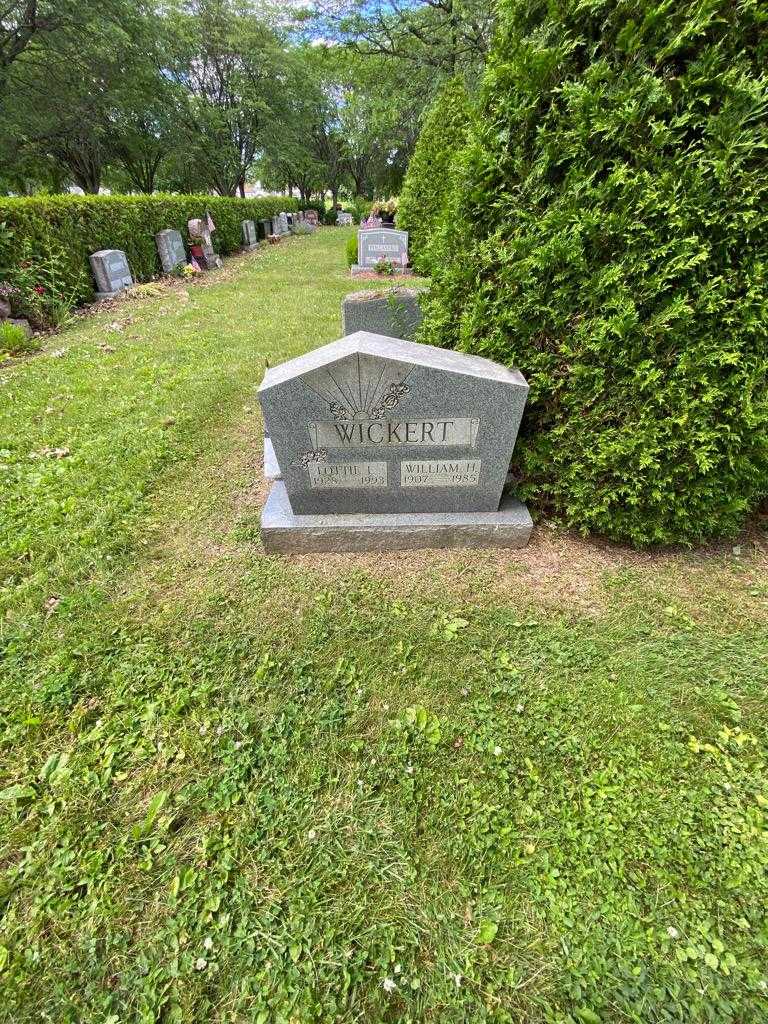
326	476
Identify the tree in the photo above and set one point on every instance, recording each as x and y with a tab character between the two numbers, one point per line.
379	105
68	87
227	66
428	181
447	36
609	236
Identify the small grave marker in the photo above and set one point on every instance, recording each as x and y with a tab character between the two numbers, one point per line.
170	249
111	272
250	237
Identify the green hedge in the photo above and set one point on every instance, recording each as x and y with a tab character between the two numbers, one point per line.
81	225
609	236
429	177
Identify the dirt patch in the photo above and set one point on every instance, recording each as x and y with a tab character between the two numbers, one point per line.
559	569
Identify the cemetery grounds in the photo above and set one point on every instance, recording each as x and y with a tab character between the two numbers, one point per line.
427	786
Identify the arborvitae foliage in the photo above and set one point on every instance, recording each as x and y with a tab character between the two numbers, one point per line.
428	180
610	237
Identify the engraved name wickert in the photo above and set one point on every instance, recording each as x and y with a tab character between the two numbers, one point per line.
434	432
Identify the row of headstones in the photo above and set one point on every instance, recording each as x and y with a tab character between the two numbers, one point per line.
112	273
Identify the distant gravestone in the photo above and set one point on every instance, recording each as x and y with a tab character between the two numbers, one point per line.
250	237
344	219
265	228
111	272
170	249
383	443
311	217
376	245
282	224
394	312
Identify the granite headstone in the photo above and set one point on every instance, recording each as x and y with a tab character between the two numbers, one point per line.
376	245
250	237
311	217
344	219
170	249
111	272
395	312
371	424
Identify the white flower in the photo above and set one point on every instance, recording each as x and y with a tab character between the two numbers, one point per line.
388	985
219	730
398	968
519	709
497	751
409	769
203	730
208	943
673	933
456	980
464	691
201	963
385	707
312	834
238	744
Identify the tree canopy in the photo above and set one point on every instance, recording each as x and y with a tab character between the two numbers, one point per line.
206	95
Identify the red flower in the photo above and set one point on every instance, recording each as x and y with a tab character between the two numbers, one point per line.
39	289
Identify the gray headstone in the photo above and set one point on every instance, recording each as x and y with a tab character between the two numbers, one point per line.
111	272
311	217
282	224
344	219
170	249
265	226
395	312
375	424
250	237
377	244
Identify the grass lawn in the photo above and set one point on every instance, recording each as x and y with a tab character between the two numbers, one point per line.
455	787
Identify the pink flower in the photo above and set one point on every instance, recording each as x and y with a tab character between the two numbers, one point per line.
39	289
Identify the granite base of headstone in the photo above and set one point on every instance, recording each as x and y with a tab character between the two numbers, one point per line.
395	312
377	444
170	249
110	272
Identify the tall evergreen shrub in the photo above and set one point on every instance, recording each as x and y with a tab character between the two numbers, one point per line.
609	236
428	179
